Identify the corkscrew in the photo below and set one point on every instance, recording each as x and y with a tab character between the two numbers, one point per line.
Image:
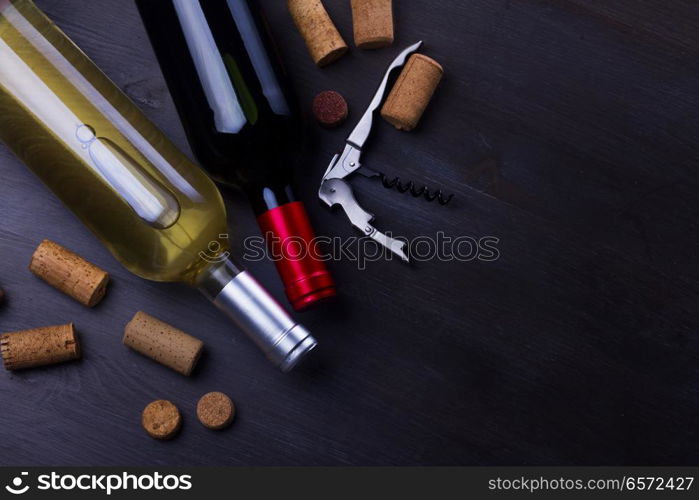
336	190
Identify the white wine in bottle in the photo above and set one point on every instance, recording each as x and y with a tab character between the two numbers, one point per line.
156	211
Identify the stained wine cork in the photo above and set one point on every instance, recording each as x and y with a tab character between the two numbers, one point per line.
324	42
330	109
412	92
39	347
373	23
69	273
215	410
163	343
161	419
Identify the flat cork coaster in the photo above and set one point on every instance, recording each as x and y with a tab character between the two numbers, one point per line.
161	419
215	410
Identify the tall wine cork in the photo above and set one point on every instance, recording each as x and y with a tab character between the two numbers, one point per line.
163	343
324	42
373	23
69	273
39	347
412	92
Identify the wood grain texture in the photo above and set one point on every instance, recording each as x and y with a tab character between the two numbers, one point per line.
568	129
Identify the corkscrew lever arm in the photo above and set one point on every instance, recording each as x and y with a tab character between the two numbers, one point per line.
362	130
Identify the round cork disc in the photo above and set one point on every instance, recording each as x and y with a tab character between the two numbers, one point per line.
161	419
215	410
330	108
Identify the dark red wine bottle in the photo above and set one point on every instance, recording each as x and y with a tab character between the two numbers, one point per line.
241	120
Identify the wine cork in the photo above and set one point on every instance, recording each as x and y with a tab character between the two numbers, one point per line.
69	273
330	109
39	347
373	23
161	419
215	411
412	92
163	343
324	42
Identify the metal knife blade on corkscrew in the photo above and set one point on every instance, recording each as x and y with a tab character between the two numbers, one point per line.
336	190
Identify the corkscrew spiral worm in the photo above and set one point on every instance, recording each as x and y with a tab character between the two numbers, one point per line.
415	190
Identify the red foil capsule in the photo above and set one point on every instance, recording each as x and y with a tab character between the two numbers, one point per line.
291	242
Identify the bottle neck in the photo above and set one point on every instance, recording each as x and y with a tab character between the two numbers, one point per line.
212	279
268	196
236	292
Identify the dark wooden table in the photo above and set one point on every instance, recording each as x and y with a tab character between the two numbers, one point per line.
568	129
